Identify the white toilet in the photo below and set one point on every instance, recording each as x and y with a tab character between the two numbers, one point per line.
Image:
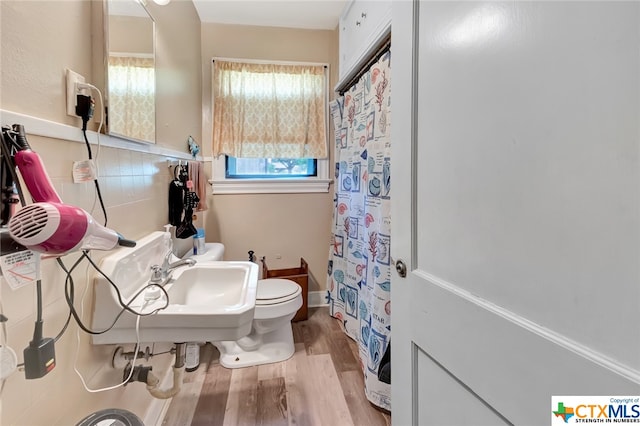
271	337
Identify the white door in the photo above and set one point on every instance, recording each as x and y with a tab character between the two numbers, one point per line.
516	208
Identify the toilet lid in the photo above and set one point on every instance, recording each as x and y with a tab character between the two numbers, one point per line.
276	290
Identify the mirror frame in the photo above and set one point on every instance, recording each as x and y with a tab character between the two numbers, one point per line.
106	54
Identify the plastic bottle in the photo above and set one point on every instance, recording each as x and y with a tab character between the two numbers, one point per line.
198	242
192	357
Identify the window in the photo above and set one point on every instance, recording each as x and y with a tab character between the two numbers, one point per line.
269	125
270	168
132	96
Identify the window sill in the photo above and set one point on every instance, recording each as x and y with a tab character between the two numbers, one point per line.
270	186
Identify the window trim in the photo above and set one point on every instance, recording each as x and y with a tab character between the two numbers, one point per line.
220	184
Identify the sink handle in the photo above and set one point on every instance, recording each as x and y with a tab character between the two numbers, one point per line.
156	274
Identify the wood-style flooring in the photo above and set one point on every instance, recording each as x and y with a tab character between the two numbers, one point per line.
322	384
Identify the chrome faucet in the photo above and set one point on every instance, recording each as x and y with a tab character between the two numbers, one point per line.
161	274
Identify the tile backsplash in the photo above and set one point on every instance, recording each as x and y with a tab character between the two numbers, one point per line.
134	188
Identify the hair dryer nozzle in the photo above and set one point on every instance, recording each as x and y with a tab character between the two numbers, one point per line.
124	242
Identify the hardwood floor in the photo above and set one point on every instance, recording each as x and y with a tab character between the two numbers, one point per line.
322	384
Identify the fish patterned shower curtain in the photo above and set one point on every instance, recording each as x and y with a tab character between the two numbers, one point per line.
359	272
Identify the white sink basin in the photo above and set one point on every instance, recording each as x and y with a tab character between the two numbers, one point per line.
211	284
208	301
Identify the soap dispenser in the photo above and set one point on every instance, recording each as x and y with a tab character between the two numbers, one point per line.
167	242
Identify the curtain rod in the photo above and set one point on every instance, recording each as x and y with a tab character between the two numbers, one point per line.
268	62
385	46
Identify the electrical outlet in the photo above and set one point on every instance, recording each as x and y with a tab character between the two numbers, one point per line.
72	79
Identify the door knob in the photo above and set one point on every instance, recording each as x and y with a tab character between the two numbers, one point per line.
401	268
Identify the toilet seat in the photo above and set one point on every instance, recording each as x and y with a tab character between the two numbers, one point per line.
273	291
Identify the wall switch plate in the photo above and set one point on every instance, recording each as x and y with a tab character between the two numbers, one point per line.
72	78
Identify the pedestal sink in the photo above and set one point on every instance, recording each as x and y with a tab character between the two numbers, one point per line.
208	301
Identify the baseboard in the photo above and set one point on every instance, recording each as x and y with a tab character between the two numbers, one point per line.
317	299
157	410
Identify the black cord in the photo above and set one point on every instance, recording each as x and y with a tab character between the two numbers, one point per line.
69	292
95	181
86	141
69	296
64	328
39	300
37	330
122	303
68	273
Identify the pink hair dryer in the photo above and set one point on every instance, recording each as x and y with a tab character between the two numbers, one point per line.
48	225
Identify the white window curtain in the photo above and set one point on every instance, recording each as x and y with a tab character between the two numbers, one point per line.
263	110
132	96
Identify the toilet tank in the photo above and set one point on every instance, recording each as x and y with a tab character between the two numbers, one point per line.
213	251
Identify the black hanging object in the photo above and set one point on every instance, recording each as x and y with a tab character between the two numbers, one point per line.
176	203
384	370
186	229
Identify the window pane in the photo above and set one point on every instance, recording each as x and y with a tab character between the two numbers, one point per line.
250	166
271	167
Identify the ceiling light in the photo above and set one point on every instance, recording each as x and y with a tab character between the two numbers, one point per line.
161	2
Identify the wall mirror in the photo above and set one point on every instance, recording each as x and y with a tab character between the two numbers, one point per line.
130	73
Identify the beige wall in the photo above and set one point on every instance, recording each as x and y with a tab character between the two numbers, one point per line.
178	73
33	60
130	34
286	225
39	40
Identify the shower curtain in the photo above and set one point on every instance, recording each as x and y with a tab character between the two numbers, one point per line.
359	272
